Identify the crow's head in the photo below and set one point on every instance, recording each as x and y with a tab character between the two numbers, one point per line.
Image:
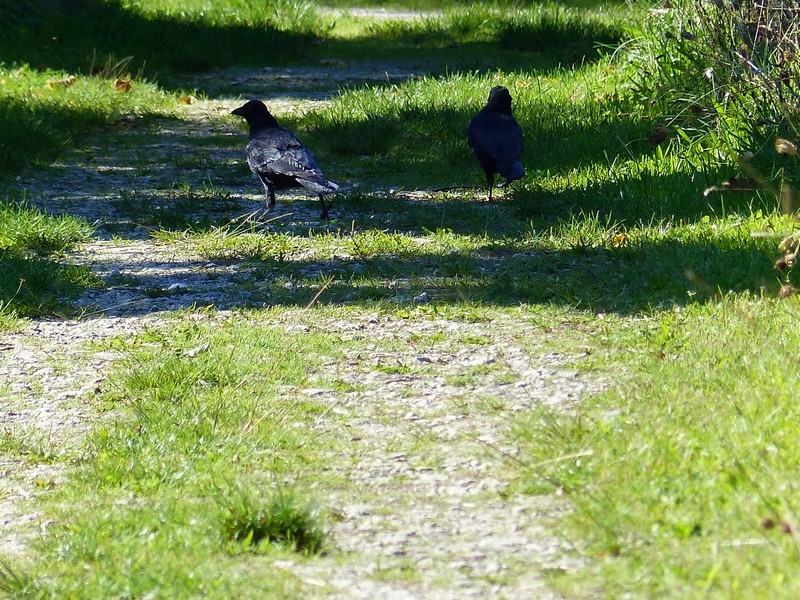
256	114
499	100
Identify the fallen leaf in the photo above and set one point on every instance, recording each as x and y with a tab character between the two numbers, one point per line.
786	262
123	85
660	133
69	80
619	240
787	289
784	146
188	99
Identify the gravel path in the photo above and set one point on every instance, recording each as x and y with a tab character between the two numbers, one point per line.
441	515
427	454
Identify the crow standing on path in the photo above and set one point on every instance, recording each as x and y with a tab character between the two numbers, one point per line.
496	138
278	157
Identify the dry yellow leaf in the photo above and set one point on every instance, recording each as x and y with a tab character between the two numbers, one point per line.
188	99
69	80
619	240
783	146
123	85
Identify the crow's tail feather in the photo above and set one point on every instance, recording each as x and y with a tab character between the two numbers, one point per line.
320	186
513	171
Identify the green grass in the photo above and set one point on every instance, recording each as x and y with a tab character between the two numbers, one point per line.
164	38
608	245
251	523
678	472
33	282
48	44
200	471
26	230
217	463
42	113
586	263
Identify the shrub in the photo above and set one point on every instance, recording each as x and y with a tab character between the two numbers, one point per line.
722	72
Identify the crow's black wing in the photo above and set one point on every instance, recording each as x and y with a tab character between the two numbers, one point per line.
497	135
276	151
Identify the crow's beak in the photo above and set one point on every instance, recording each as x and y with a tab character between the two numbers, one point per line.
239	112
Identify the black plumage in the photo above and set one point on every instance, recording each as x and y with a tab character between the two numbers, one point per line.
278	158
496	138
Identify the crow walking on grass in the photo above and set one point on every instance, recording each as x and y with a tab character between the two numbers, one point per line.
278	157
496	138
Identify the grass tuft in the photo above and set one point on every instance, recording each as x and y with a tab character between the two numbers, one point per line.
15	583
553	27
282	520
26	229
43	111
32	281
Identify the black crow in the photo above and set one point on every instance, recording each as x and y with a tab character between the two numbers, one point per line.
496	138
278	157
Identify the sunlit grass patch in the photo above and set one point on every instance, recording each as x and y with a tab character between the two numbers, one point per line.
32	280
584	260
551	26
25	229
413	134
43	111
15	582
214	408
682	475
537	35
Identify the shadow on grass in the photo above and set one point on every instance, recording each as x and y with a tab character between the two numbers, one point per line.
34	132
40	286
506	271
628	280
95	36
643	198
419	147
512	262
91	35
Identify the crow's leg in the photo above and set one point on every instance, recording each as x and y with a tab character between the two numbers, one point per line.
490	181
270	198
270	191
324	207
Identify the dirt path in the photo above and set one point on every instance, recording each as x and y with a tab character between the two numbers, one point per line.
429	498
426	455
